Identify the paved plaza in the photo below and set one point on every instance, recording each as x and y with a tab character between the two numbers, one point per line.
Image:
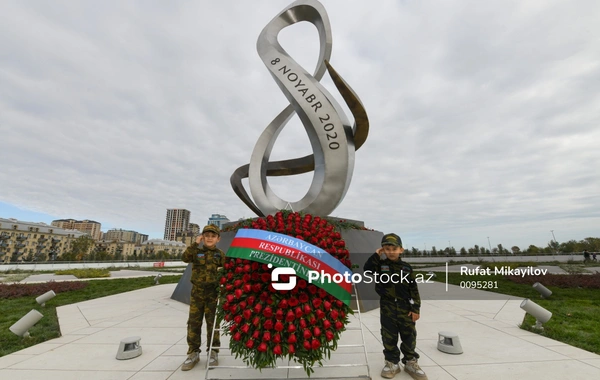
494	346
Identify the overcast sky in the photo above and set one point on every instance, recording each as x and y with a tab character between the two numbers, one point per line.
483	115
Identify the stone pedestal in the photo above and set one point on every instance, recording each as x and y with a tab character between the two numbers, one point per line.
360	243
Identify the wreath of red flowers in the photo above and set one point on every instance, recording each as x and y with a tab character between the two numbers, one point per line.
302	324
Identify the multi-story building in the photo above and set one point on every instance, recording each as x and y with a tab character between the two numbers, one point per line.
218	220
177	220
155	246
125	235
118	249
28	241
89	227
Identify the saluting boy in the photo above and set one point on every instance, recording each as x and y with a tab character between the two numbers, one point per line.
399	307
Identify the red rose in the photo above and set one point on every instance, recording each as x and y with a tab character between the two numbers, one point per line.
255	334
312	289
237	283
293	302
226	306
277	350
265	277
326	324
278	326
339	303
266	336
338	325
257	308
251	300
247	314
256	288
306	345
279	314
268	312
291	328
307	309
238	293
245	328
246	277
303	298
322	293
316	302
320	314
283	304
316	331
315	344
291	349
306	334
256	321
268	325
254	266
303	323
242	305
298	312
230	298
237	319
333	315
292	338
247	288
250	343
223	280
329	335
233	327
264	296
247	268
276	338
262	347
290	316
237	336
302	283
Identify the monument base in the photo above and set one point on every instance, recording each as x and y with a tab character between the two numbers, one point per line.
360	243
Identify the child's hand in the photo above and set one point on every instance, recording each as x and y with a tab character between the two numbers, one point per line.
379	251
415	316
199	239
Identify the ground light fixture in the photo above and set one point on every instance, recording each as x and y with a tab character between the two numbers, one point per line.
540	314
544	291
157	279
22	326
129	348
45	297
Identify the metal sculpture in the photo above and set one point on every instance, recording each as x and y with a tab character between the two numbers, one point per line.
332	139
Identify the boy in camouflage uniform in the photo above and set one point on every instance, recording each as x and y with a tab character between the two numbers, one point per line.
399	307
205	260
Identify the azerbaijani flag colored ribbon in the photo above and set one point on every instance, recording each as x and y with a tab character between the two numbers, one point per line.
285	251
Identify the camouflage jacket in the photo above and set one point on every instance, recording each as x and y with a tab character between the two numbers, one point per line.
205	262
403	287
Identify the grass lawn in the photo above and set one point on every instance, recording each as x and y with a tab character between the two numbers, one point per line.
574	310
11	310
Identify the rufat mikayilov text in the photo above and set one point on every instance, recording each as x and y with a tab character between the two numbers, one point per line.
503	270
368	277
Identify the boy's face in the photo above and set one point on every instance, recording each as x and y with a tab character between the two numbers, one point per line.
211	239
392	252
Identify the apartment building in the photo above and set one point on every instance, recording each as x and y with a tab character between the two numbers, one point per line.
89	227
29	241
125	235
218	220
154	246
177	220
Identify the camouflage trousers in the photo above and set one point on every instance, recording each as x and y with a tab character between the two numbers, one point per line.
395	321
203	305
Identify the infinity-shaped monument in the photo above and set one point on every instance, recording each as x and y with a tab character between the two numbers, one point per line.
332	139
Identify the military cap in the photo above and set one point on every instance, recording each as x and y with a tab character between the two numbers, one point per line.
212	228
391	239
